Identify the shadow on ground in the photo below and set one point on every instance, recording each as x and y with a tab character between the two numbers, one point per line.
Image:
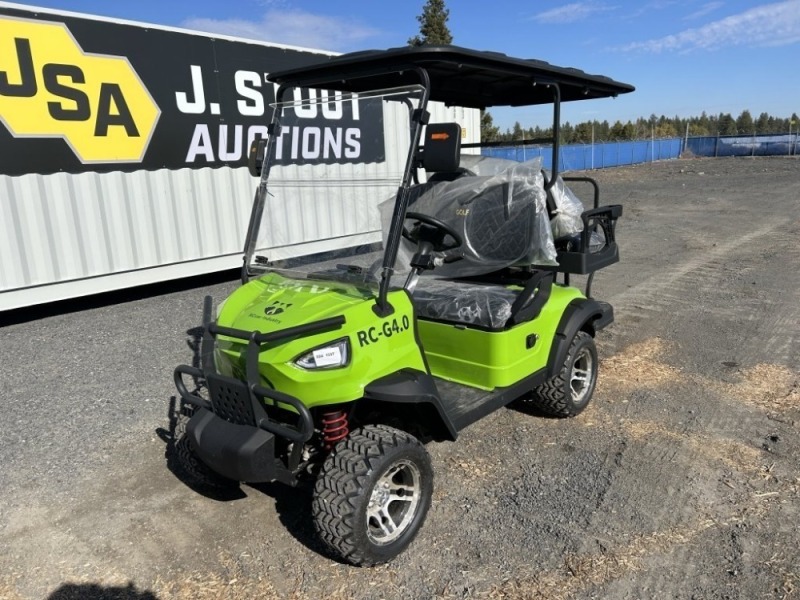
93	591
84	303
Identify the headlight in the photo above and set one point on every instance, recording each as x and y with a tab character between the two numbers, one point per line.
331	356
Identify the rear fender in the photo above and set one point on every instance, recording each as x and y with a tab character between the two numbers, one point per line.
580	315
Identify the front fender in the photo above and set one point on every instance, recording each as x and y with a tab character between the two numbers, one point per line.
413	387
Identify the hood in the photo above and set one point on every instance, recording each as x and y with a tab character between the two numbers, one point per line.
274	302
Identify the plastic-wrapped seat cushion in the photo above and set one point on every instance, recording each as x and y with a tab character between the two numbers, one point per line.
502	220
566	211
485	306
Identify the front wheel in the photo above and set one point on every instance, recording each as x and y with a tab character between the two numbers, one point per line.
569	392
372	495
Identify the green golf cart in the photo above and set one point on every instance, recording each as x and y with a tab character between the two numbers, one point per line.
433	289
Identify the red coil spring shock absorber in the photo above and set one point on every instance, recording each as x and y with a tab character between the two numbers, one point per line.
334	428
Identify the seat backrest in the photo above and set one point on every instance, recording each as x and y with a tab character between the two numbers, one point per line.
502	219
498	226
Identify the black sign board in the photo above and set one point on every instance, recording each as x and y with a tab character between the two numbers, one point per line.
78	94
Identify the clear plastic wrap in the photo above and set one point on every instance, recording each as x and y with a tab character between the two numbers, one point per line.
568	209
481	305
502	220
486	165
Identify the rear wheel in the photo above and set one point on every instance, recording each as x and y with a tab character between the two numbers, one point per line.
373	494
570	391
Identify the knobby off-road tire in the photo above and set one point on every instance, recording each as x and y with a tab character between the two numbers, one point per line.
372	494
188	465
195	472
569	392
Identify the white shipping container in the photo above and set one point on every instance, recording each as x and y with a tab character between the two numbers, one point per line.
72	226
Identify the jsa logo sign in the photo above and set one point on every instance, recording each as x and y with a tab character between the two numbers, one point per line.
49	87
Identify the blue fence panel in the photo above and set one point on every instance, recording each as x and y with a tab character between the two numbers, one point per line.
640	152
580	157
749	145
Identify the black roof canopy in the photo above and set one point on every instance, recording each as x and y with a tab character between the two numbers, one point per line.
459	76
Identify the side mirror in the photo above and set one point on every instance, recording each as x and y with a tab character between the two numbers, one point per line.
256	158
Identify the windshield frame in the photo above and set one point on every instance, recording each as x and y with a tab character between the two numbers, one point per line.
417	117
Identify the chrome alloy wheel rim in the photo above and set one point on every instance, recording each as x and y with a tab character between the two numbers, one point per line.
393	502
580	379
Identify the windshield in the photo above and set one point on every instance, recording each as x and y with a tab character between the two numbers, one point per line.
334	159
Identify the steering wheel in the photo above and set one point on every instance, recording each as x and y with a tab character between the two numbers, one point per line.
435	233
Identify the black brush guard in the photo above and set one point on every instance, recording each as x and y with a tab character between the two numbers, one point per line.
232	431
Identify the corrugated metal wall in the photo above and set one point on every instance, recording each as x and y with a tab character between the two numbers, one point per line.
125	228
61	227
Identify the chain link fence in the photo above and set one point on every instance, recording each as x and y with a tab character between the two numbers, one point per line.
744	145
581	157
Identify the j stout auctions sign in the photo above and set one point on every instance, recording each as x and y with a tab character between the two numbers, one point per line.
82	95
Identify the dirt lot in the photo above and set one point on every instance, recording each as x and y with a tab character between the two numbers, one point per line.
681	480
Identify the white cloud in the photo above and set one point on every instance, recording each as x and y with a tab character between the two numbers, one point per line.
649	7
776	24
570	13
707	8
293	27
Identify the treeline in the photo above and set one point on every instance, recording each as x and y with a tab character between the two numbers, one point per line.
658	127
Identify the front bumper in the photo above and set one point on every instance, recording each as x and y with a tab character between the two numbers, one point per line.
239	452
232	431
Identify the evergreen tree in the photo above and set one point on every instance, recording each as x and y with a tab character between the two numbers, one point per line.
665	130
762	123
727	124
489	131
432	25
744	123
620	132
567	133
643	128
583	133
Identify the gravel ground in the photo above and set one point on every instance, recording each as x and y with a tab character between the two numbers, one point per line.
680	480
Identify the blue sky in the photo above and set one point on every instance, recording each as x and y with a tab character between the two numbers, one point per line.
683	56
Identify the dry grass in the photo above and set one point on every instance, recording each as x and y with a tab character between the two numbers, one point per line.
638	366
211	586
766	386
770	387
641	366
8	588
231	583
473	468
735	455
582	571
232	579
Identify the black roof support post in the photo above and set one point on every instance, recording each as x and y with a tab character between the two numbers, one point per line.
556	133
419	117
